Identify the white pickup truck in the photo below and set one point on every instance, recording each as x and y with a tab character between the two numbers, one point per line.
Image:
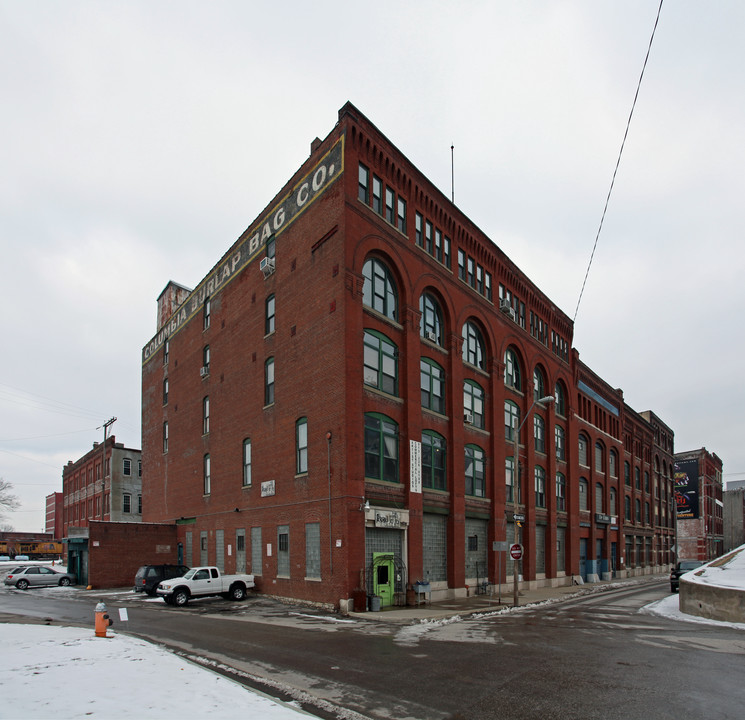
204	581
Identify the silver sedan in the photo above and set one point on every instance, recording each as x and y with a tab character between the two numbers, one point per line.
37	576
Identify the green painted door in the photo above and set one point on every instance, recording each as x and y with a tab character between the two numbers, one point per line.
384	577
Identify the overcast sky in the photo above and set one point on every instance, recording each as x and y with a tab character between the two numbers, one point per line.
140	139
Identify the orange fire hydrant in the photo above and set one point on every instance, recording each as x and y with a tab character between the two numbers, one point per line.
103	621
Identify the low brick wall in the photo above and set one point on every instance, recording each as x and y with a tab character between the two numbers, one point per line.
713	602
118	549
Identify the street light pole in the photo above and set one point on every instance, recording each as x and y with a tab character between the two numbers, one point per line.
517	484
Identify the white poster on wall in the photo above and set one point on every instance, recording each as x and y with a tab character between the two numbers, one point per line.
415	470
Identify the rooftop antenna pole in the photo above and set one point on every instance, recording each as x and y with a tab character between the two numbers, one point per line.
452	174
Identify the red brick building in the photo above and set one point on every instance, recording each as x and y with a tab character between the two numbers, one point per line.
103	485
54	504
700	507
335	406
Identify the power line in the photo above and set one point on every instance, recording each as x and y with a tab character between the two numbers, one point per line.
618	161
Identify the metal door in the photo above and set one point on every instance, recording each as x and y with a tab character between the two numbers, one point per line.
583	558
384	578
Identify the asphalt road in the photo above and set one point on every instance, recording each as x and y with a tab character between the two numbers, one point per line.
592	657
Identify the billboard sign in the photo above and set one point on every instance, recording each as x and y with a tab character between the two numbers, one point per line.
686	489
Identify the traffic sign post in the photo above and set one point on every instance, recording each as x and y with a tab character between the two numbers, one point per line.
516	553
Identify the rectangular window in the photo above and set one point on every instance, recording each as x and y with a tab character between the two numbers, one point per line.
283	551
246	462
313	550
301	446
390	206
269	316
139	468
127	466
126	503
540	487
461	265
269	382
165	391
487	285
377	195
207	475
471	280
165	437
363	192
401	215
139	504
419	229
205	415
428	236
438	245
446	252
207	312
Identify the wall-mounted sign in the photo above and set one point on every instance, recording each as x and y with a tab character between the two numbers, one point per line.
602	519
267	488
415	469
389	519
686	489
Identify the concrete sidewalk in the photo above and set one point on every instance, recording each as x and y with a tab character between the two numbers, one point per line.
490	603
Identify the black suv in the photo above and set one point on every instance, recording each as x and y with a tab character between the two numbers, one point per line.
683	566
148	577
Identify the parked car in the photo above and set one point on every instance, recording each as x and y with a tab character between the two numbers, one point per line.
37	576
204	581
682	567
148	577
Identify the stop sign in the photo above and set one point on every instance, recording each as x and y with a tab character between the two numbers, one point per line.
516	551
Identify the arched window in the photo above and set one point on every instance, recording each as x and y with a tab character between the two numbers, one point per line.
583	460
511	420
473	346
381	448
512	370
379	290
539	433
638	507
627	508
433	460
599	457
269	382
380	362
207	467
627	473
540	487
561	492
432	383
269	309
583	490
475	484
612	506
560	404
613	463
473	403
430	325
301	446
539	385
560	442
247	461
509	478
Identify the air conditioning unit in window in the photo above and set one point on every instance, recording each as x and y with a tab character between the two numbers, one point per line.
431	336
506	306
267	266
204	371
468	418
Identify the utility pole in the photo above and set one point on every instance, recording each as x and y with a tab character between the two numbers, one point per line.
105	426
